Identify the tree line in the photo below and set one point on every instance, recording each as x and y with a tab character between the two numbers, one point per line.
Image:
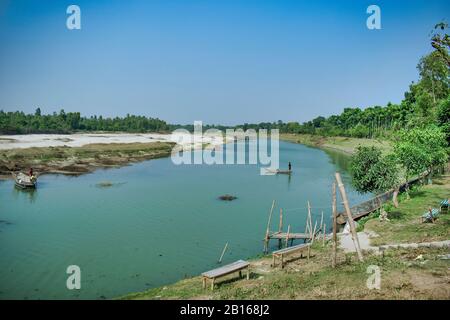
20	123
421	145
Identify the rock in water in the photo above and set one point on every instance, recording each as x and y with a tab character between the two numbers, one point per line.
227	197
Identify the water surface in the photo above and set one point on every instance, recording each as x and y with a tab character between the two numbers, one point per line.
159	224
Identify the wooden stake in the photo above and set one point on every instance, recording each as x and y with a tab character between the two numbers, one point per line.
349	216
266	245
321	223
280	226
313	234
324	234
223	252
287	235
310	219
333	263
307	223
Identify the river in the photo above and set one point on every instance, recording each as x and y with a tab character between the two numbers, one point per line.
157	224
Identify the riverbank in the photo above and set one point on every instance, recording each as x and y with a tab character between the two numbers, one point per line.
79	160
343	144
75	154
414	273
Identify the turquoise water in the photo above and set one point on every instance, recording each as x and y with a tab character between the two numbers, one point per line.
159	224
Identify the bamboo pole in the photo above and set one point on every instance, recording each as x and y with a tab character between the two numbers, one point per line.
287	235
349	216
266	245
333	263
310	219
223	252
313	234
321	223
280	226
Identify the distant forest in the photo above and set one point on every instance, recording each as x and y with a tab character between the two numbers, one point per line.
427	102
62	122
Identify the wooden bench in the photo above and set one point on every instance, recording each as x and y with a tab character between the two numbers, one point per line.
444	206
225	270
430	216
286	251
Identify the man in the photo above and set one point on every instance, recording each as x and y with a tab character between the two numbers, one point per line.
289	166
31	172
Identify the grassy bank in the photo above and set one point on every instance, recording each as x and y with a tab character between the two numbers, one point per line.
343	144
78	160
405	225
403	276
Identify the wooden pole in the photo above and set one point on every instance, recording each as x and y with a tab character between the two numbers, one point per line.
266	245
310	219
313	234
287	235
334	227
324	234
280	226
321	222
349	216
223	252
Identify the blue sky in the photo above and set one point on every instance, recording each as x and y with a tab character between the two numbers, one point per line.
219	61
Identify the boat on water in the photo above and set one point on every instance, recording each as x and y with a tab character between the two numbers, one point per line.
24	181
284	171
269	171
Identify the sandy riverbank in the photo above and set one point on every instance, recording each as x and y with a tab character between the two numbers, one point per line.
75	154
82	139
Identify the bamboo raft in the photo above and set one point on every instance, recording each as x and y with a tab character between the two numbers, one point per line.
284	171
277	171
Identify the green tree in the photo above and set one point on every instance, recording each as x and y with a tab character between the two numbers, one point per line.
443	117
373	172
421	149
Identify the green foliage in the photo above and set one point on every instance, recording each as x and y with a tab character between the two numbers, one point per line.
19	122
434	75
443	117
372	172
421	149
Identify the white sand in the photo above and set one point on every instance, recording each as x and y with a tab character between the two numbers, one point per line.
78	140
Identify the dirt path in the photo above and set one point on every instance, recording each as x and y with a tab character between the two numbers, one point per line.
346	243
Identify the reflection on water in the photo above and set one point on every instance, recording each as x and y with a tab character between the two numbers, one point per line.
29	194
340	159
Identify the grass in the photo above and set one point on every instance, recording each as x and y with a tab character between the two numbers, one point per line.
405	225
344	144
402	277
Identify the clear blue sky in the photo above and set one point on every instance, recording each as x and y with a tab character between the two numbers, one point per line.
219	61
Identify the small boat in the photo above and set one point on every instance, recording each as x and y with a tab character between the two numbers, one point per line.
269	171
284	171
24	181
